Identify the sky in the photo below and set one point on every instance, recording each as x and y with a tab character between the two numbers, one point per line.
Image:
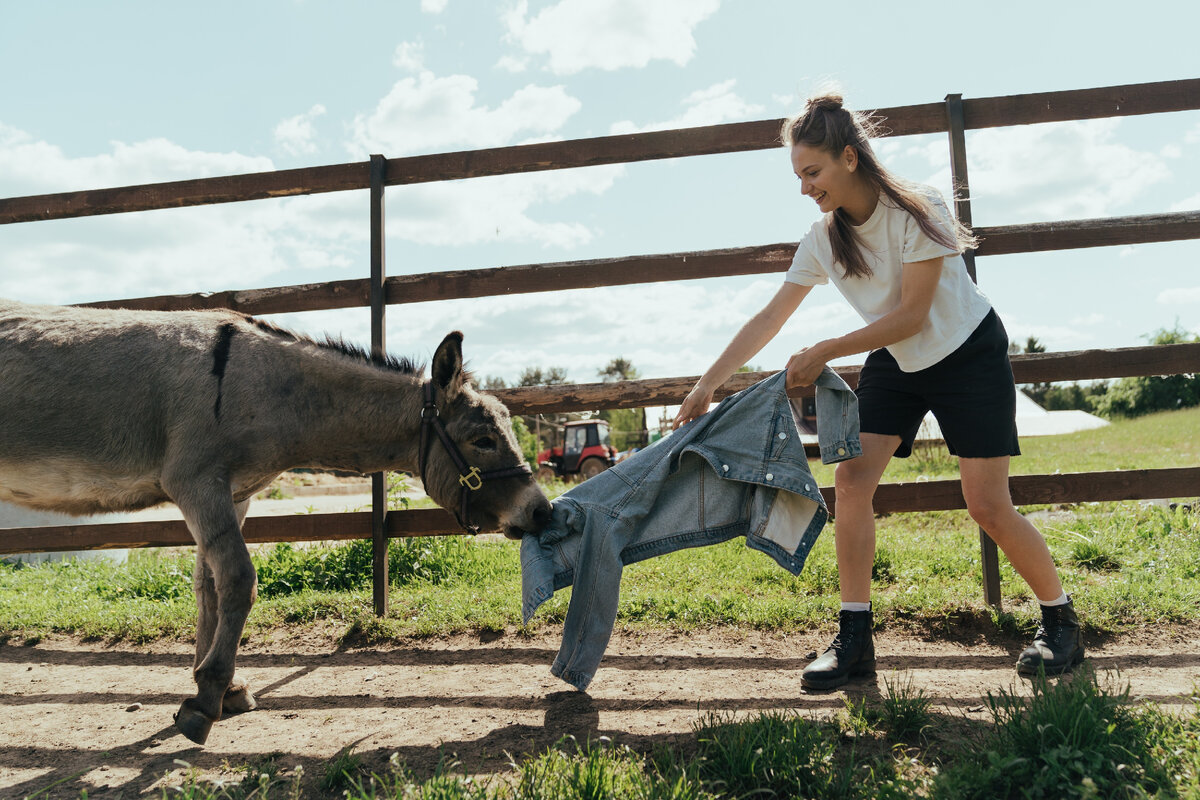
119	93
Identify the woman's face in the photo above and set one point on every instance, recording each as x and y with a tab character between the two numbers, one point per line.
827	178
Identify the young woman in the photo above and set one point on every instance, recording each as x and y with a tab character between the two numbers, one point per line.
894	251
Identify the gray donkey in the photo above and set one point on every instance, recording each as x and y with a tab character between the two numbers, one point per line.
119	410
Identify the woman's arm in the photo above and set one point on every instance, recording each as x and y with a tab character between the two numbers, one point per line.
918	282
753	336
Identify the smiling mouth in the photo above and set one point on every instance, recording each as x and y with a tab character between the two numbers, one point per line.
820	197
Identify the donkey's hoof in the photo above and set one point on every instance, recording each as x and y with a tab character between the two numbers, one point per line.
192	722
237	699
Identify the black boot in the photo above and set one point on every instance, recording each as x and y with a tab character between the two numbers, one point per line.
1057	646
852	653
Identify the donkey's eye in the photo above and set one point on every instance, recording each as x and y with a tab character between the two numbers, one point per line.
486	443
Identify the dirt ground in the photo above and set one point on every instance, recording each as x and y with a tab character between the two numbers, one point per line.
89	716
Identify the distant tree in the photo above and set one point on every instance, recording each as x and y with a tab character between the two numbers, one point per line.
491	383
749	368
1037	391
536	376
1132	397
619	369
528	442
627	425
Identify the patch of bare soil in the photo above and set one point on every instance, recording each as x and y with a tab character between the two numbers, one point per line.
89	716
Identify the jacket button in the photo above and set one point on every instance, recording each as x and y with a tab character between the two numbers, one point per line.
725	468
783	436
770	476
841	451
807	488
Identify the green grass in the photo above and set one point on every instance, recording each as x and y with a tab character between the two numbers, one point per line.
1074	738
1127	565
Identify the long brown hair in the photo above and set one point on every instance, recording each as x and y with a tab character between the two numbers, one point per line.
826	124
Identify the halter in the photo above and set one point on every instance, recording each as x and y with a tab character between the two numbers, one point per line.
469	478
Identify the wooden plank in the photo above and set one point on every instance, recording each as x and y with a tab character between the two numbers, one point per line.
379	509
1170	359
596	151
1075	234
1103	102
1074	487
1078	487
632	270
180	194
986	112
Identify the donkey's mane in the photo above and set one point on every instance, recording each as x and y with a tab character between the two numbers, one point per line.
401	364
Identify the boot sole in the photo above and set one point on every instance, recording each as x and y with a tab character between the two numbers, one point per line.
861	671
1029	671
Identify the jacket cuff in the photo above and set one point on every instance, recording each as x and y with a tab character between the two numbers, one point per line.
579	680
842	450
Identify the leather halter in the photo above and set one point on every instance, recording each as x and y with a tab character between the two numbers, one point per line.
470	478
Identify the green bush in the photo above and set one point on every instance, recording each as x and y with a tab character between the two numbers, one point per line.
1133	397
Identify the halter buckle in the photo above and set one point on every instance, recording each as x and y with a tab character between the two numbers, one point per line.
473	480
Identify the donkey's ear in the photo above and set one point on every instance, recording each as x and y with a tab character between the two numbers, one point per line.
447	364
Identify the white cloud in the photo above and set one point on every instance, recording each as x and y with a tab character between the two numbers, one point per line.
712	106
296	135
28	166
1180	296
428	113
512	64
409	56
496	209
1187	204
1089	319
164	251
1059	171
609	34
434	6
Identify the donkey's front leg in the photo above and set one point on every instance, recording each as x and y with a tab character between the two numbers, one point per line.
238	698
222	552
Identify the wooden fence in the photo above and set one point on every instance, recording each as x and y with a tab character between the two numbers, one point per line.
953	116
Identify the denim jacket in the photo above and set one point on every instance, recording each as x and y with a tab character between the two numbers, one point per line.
739	470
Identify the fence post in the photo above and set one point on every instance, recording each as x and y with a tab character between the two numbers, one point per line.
989	559
379	542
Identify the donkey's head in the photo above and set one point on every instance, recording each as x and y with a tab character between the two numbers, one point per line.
479	473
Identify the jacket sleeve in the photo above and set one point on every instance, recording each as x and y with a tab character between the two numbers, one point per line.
593	608
837	419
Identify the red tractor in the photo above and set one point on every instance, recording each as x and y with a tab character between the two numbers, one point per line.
586	452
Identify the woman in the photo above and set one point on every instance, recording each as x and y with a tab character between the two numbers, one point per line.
894	251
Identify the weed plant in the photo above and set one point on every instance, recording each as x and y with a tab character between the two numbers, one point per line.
1072	738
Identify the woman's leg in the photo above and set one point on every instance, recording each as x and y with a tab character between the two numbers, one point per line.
854	515
853	650
985	488
1057	646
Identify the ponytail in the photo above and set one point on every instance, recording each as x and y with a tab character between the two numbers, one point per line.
826	124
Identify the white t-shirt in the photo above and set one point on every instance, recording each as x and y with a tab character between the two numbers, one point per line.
890	239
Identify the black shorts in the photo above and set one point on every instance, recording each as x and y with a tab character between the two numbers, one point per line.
970	392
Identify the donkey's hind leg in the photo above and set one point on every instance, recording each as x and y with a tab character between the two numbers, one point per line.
238	698
222	551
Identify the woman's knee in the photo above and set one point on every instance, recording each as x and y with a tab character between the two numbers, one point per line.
852	482
990	513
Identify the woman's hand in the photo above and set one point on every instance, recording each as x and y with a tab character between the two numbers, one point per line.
695	405
805	365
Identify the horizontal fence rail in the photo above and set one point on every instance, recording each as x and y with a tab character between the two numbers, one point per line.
984	112
944	495
1073	365
630	270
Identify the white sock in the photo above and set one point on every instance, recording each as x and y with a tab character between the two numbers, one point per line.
1062	601
856	606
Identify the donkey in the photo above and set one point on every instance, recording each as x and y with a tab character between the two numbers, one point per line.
104	410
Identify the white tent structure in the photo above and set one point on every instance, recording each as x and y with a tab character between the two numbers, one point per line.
1032	420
